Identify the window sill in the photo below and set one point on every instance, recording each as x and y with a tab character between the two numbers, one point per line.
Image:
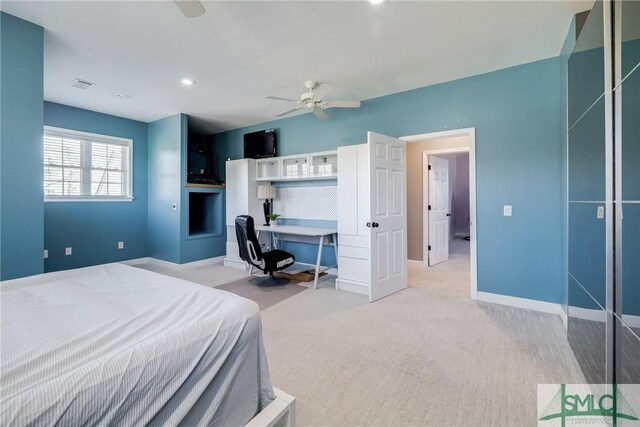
88	199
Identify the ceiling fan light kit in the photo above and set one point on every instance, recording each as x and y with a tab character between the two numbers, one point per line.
314	100
190	8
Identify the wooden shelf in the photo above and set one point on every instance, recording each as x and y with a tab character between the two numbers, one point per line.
192	185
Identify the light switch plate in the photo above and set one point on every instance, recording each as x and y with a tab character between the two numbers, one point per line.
507	210
600	212
46	253
68	251
120	245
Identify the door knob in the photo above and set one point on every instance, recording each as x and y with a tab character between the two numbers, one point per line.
448	214
375	225
369	224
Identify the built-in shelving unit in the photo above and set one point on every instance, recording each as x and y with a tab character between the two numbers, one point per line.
300	167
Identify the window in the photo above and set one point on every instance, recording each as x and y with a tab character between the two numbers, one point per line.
85	166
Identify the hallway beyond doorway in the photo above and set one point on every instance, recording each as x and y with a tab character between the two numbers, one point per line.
447	278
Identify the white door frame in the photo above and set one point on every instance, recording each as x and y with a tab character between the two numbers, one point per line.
471	134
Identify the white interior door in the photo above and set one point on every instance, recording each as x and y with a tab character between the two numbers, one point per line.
438	210
388	206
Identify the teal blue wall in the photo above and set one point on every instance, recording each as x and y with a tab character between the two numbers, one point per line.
169	238
93	229
21	186
517	113
165	183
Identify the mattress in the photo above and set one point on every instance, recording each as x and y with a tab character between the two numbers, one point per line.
118	345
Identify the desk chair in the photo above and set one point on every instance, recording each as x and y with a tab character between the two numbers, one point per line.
250	251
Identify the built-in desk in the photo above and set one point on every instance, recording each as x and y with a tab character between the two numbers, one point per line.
320	233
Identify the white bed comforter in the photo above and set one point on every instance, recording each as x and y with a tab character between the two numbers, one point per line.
118	345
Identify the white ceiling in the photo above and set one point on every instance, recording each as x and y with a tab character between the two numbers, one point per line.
239	52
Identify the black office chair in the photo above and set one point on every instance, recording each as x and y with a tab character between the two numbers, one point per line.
250	251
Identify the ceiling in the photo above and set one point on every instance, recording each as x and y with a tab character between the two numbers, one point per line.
241	51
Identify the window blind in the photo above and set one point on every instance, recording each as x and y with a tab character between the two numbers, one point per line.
80	165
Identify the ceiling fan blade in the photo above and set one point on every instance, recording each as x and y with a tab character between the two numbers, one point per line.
279	98
284	113
190	8
342	104
321	91
319	112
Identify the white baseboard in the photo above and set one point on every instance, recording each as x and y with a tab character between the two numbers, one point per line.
160	262
565	319
415	261
136	261
631	321
235	263
352	286
530	304
595	315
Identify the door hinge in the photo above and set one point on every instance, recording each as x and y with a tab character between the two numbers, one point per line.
429	247
429	167
429	208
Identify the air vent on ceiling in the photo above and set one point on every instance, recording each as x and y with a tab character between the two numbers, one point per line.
81	84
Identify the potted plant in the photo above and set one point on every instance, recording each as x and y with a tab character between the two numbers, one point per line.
273	218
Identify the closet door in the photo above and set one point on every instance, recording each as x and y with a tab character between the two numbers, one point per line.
589	321
627	105
353	211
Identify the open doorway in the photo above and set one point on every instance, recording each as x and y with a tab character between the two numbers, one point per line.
441	206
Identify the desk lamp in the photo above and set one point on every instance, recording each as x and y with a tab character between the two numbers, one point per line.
267	193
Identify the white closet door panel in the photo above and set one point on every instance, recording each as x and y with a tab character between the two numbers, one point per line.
353	269
354	252
358	241
363	191
347	191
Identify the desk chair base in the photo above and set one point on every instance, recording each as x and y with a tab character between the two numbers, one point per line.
269	281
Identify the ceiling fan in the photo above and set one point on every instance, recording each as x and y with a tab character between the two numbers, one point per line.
190	8
314	100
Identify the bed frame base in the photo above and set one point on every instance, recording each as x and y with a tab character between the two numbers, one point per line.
279	413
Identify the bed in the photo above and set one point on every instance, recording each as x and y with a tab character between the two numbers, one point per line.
118	345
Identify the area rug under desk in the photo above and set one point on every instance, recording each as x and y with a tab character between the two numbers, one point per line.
265	296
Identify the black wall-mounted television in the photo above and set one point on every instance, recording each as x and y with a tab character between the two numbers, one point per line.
258	145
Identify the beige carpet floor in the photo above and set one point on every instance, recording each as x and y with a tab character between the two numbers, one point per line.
428	355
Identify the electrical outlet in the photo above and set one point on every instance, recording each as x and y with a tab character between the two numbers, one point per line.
68	251
120	245
46	253
507	210
600	212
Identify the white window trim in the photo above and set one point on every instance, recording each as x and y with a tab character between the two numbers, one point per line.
97	138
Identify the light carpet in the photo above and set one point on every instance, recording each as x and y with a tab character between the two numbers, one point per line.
428	355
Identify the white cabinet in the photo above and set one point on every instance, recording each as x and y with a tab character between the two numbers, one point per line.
353	214
324	164
241	192
268	169
300	167
295	167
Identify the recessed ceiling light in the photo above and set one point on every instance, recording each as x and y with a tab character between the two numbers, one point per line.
122	95
188	82
377	2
